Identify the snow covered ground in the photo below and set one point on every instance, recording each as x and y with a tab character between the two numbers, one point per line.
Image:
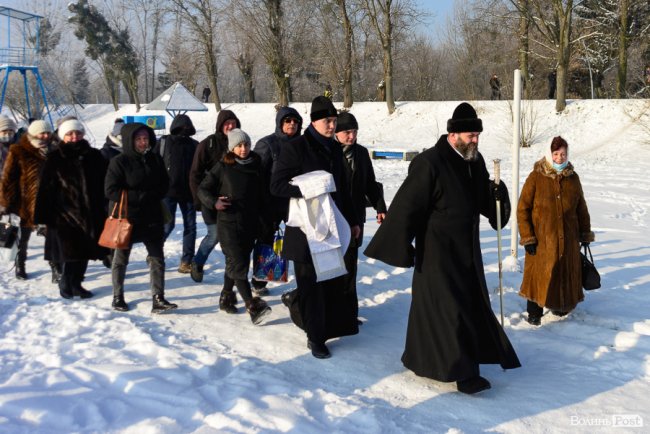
77	366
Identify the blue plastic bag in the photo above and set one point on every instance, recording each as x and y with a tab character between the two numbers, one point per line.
268	263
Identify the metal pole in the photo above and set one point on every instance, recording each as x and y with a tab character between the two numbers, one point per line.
497	179
516	137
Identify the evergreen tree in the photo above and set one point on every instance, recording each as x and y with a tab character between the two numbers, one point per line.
79	81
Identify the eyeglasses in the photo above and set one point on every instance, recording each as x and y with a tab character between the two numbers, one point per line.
290	121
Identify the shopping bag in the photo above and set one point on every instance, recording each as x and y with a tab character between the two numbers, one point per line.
268	263
9	234
117	229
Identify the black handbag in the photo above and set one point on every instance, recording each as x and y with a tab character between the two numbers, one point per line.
590	276
8	234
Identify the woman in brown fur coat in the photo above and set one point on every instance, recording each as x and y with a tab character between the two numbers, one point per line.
553	223
19	186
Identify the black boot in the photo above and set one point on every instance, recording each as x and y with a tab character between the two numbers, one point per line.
119	304
79	270
196	272
56	271
257	309
161	305
473	385
259	287
227	301
20	269
319	350
65	283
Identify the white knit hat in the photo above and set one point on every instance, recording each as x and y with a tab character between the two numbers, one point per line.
6	123
70	125
237	136
39	126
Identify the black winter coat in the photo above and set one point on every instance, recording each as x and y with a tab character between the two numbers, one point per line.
208	153
237	226
70	202
142	175
302	155
363	184
268	148
451	326
177	151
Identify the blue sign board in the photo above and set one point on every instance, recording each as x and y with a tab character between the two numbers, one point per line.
154	122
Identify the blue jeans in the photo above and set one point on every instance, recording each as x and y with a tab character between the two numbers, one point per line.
207	245
189	225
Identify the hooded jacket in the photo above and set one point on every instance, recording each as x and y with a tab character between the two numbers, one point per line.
177	151
208	153
143	176
268	148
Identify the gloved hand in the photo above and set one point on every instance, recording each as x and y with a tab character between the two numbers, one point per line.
531	249
584	244
497	192
41	230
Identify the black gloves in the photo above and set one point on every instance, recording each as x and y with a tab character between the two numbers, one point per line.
499	193
531	249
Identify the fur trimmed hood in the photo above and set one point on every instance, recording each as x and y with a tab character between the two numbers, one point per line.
545	168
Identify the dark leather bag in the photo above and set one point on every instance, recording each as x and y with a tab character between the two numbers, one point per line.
590	276
117	229
8	234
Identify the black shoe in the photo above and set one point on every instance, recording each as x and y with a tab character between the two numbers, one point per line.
82	292
258	310
196	272
287	297
227	302
559	313
66	293
319	351
161	305
473	385
119	304
534	320
259	287
21	274
56	272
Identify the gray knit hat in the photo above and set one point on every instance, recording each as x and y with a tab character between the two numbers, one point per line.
235	137
6	123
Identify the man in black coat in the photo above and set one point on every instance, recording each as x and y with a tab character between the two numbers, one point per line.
451	326
323	313
177	150
288	124
208	153
364	188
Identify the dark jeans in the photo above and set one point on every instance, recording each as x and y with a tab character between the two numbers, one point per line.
207	245
189	225
153	242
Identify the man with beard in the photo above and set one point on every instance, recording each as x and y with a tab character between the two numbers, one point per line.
451	326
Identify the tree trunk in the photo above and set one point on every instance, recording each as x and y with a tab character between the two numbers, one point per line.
211	70
347	69
387	43
563	50
524	26
621	82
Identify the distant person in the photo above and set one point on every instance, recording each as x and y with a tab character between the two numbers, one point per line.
495	86
365	191
552	84
328	92
70	202
177	150
205	96
451	327
8	137
552	270
113	144
208	153
20	181
288	124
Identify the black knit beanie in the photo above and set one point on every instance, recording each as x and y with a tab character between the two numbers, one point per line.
346	121
464	120
322	107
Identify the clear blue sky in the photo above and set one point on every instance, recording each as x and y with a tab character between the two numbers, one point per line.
439	8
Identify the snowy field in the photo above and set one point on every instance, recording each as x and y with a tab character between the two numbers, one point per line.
71	366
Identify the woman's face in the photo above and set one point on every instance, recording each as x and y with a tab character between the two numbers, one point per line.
242	150
559	156
73	136
141	141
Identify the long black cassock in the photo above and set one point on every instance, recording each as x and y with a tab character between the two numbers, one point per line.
451	326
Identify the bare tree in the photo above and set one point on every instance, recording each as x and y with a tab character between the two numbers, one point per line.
347	68
524	47
202	18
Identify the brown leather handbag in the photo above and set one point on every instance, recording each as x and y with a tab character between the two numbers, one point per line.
117	229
